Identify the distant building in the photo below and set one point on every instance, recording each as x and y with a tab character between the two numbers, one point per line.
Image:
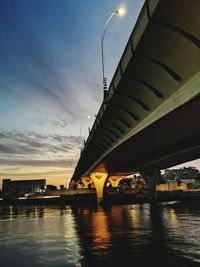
14	188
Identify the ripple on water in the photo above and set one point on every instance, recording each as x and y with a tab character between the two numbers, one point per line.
89	237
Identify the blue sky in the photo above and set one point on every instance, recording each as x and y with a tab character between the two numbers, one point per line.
51	79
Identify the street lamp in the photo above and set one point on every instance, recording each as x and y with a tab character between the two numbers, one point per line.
86	117
119	12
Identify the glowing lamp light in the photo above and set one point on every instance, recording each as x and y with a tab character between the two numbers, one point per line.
120	11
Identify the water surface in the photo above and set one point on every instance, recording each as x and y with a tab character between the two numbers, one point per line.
166	234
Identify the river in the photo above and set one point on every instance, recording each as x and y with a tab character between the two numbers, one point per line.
164	234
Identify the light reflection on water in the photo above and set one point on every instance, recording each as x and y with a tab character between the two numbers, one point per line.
165	234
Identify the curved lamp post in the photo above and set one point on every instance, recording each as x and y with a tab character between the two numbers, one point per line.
86	117
79	144
119	12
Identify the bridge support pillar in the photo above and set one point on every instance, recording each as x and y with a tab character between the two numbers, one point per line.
99	179
99	176
86	181
114	180
151	178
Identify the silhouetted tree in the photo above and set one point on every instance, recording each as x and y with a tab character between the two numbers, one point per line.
61	187
51	187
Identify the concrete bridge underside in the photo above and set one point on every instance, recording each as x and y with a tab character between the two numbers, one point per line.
149	118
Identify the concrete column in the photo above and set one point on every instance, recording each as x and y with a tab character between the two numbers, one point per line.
99	176
114	180
151	178
99	179
86	181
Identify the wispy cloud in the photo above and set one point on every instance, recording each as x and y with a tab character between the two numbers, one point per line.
34	67
28	154
36	163
30	151
61	122
16	149
34	174
28	143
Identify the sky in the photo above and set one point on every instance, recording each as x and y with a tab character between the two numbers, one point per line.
51	80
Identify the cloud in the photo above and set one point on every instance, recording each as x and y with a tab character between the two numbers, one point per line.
6	149
61	122
30	154
36	163
35	66
16	149
27	142
36	174
44	71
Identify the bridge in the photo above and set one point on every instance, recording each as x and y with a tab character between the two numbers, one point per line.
149	117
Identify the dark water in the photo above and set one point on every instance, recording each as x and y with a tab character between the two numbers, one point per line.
166	234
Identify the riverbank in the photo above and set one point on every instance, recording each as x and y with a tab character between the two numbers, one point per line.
79	199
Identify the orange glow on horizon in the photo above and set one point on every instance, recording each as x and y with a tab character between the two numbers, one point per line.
52	176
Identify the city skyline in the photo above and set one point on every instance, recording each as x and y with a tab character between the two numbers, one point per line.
51	79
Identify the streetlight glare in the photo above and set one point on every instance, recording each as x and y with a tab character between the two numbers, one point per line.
120	11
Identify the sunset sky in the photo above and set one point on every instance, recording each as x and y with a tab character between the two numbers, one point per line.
51	79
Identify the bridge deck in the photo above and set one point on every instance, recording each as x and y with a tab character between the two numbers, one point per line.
149	116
